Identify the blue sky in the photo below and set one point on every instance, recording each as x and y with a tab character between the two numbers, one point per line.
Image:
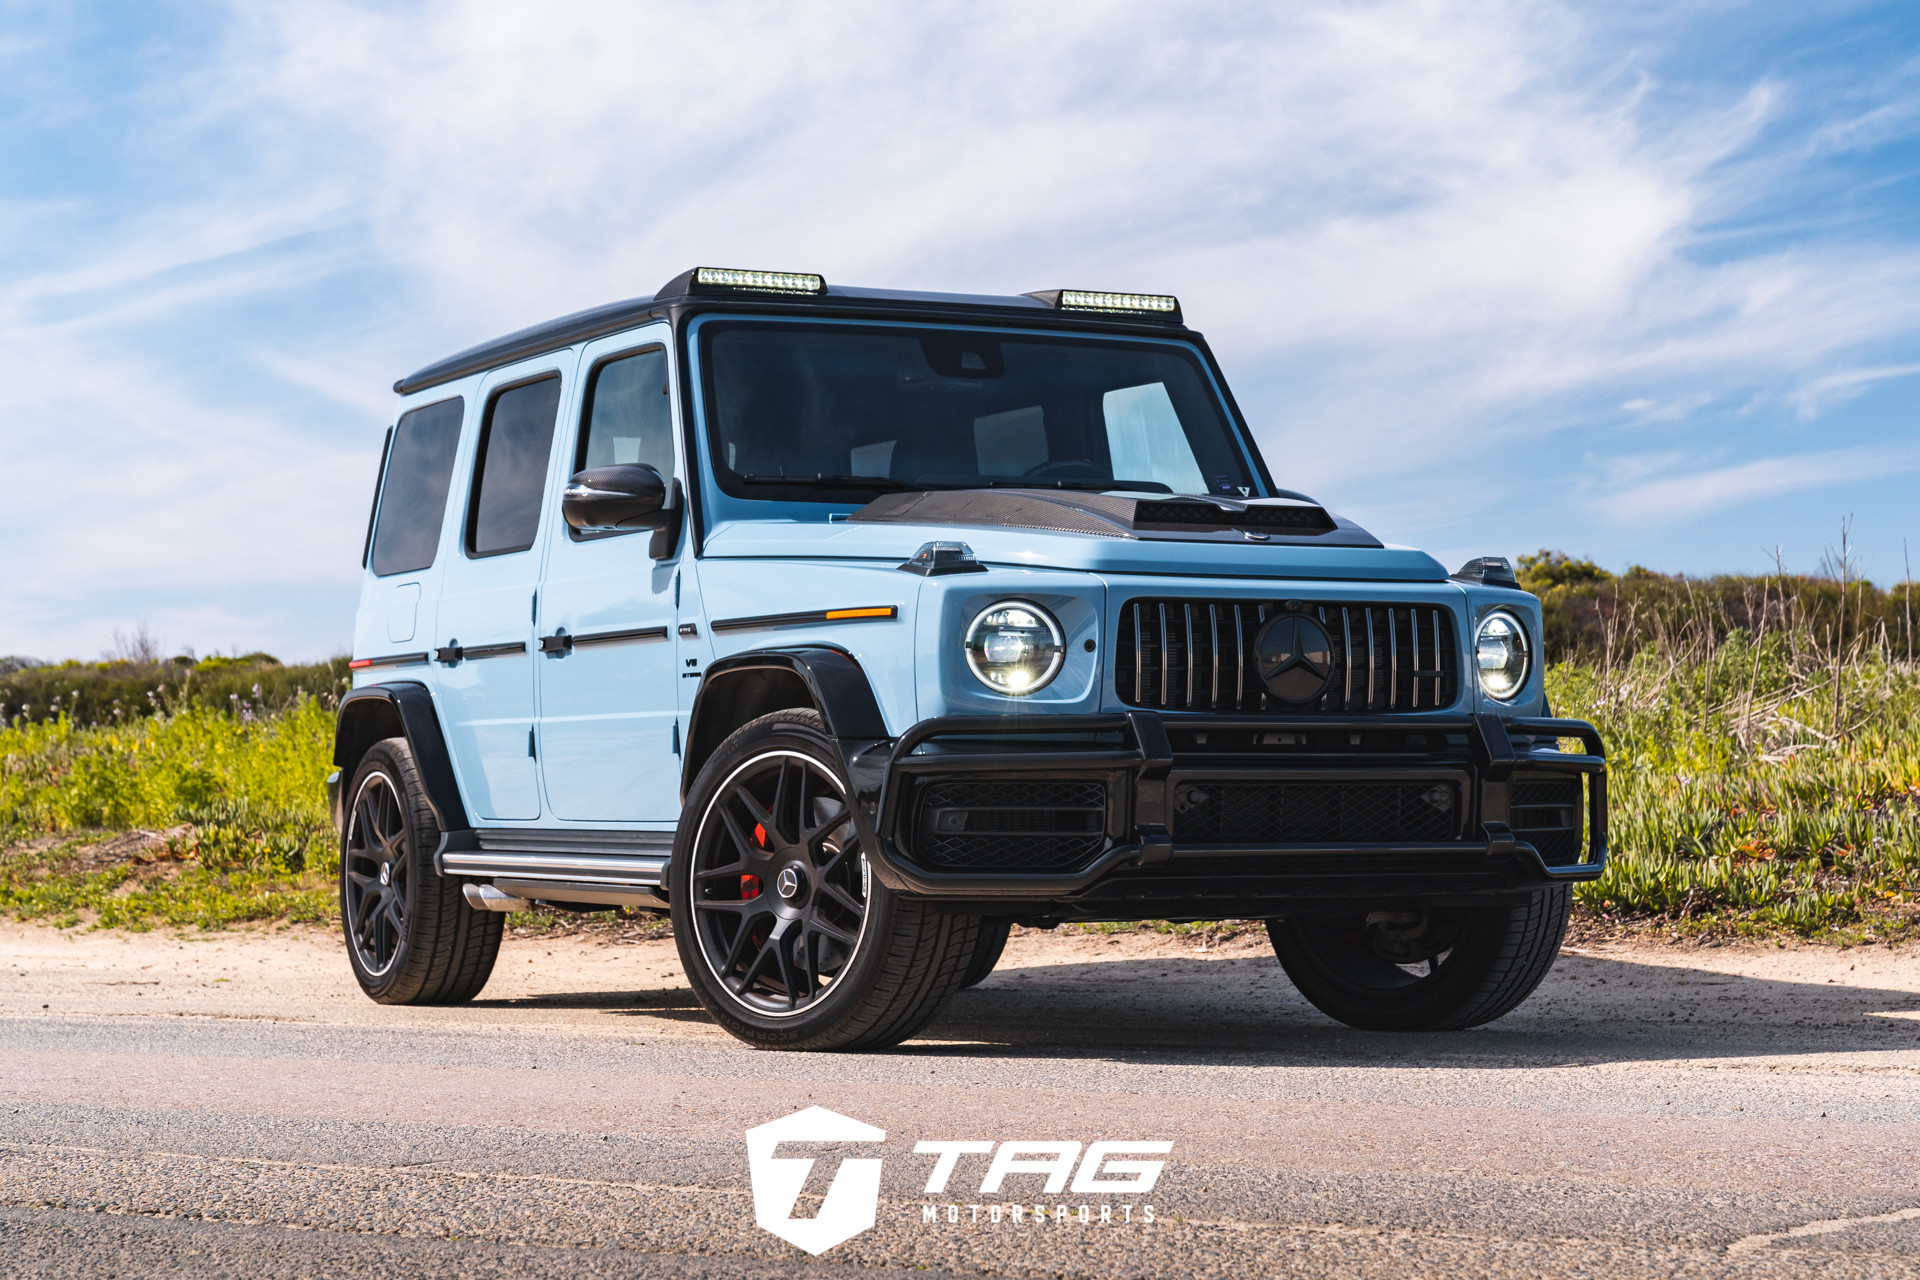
1638	281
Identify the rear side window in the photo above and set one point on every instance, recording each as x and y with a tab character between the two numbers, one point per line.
510	474
413	497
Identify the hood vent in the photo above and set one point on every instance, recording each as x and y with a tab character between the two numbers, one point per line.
1261	520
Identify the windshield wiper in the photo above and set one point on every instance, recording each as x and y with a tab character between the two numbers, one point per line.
878	484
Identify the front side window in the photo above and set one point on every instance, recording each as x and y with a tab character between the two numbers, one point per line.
819	411
510	473
413	496
628	418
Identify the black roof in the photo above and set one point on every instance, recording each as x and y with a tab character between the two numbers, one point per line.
581	326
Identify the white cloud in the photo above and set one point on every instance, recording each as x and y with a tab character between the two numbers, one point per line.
1405	225
1674	498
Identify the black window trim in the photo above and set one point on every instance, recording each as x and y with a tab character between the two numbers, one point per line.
479	462
589	384
379	484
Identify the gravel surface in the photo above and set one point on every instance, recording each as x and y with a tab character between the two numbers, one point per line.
229	1104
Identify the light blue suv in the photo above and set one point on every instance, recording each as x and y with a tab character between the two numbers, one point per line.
853	626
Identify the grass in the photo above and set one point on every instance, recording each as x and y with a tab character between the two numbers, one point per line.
1765	782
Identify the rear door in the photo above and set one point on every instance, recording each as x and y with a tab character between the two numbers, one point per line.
485	635
609	734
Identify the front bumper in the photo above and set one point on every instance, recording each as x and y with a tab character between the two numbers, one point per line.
1203	816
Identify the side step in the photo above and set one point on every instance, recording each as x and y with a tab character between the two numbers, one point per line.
611	868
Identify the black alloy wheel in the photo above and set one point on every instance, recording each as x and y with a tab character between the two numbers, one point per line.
786	934
412	937
780	888
374	875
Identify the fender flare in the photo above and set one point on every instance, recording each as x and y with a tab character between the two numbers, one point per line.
398	709
763	680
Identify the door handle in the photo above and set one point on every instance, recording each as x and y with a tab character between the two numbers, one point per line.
558	643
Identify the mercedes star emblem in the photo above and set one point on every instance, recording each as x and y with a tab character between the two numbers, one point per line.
1295	657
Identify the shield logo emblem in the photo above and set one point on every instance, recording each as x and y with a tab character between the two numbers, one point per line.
1294	656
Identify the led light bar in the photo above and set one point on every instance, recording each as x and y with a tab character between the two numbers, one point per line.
767	281
1083	300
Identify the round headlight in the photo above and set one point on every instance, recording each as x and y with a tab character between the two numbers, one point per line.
1500	653
1015	647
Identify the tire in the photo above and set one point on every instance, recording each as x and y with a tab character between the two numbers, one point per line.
1479	963
828	959
993	940
411	937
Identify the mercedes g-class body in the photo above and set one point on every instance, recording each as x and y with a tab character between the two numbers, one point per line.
852	626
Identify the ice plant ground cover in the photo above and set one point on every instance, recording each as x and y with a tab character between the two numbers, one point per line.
1765	778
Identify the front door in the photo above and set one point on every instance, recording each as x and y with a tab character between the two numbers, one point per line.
485	639
609	735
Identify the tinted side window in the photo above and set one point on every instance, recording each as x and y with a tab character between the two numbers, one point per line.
511	472
628	417
413	497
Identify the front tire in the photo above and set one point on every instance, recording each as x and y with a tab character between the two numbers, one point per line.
411	937
1428	970
785	934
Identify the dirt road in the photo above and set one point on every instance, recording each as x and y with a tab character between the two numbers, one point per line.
231	1104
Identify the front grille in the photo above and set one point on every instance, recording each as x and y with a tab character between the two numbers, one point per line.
1277	812
1198	655
1548	812
1011	826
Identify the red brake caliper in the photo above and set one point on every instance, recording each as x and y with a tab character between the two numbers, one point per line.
750	885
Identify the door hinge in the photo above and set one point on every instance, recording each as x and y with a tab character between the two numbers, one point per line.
533	611
676	588
676	737
530	752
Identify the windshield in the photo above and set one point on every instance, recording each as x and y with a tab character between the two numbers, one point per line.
827	412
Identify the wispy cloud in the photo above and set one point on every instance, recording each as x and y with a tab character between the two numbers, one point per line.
1438	246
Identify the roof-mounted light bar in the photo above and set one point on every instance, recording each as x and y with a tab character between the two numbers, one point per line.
761	281
1158	306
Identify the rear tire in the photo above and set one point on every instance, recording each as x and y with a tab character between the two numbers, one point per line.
411	937
785	935
1435	971
993	941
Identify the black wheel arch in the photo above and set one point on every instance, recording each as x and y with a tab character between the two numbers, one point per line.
398	709
746	686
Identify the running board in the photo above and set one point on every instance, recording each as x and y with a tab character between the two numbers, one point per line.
600	860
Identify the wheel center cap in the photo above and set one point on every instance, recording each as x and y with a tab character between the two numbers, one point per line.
386	872
787	883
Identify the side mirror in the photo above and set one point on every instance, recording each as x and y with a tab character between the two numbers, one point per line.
620	498
623	497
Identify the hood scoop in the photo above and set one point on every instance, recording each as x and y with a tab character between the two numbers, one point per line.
1103	515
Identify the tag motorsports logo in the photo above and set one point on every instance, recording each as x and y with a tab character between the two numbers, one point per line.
852	1202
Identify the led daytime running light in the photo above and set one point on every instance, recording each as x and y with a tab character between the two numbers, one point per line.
1082	300
771	281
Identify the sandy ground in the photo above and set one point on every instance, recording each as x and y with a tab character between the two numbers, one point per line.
202	1102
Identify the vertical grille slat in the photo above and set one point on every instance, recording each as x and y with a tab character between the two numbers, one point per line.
1412	666
1189	655
1166	659
1240	641
1213	632
1393	658
1346	628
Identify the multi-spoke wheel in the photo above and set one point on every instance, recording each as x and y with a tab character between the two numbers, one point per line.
374	871
789	939
411	937
1424	970
779	885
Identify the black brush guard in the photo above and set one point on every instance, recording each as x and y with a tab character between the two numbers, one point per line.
1140	870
